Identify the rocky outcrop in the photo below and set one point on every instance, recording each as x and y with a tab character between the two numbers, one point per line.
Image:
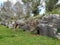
46	30
26	27
48	25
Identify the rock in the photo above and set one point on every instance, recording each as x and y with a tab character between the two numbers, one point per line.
42	29
26	27
58	36
21	22
46	30
46	26
3	23
51	31
52	18
10	25
49	24
6	24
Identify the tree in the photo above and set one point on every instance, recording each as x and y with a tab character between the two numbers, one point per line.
6	10
58	6
7	4
34	5
18	9
50	4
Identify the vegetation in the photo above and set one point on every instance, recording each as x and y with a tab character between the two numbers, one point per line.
55	11
58	30
8	37
19	11
34	6
50	5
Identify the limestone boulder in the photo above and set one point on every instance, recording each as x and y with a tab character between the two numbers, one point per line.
26	27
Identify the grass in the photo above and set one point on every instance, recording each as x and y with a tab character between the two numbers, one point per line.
9	37
55	11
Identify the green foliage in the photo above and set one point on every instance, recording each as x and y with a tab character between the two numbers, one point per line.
55	11
0	19
34	5
58	6
58	30
50	4
25	1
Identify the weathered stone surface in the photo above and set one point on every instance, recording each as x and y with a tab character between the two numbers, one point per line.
3	23
42	28
10	25
21	22
26	27
46	30
48	25
51	31
58	36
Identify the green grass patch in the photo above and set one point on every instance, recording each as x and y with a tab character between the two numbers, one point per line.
9	37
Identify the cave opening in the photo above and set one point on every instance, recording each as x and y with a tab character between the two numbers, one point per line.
38	30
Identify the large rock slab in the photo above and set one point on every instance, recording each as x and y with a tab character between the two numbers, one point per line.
48	25
46	30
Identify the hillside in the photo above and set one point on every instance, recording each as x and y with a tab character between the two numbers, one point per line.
8	37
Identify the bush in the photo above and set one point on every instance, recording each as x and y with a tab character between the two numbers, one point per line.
55	11
58	30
